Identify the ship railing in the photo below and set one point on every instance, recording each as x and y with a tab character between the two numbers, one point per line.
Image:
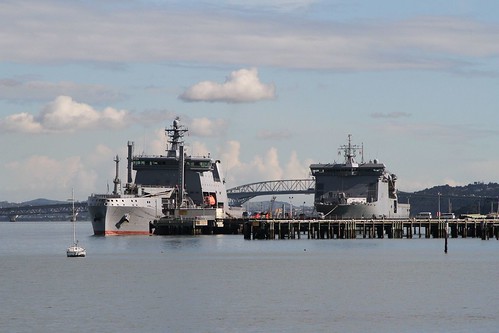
112	196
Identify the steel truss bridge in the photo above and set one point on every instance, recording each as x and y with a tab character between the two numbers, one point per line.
238	196
61	210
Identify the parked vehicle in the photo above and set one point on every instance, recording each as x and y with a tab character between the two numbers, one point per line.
424	215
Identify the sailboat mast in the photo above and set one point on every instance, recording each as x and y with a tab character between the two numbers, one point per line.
73	217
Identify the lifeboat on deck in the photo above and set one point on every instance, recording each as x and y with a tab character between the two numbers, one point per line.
209	200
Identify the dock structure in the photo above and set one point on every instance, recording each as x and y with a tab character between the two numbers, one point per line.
331	229
195	226
374	228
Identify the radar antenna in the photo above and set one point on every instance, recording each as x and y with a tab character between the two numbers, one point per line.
175	134
350	152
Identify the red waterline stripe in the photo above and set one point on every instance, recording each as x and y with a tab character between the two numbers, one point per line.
118	233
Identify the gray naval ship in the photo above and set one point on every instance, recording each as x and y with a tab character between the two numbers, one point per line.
352	190
174	186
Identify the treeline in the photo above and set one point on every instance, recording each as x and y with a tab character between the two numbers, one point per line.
476	198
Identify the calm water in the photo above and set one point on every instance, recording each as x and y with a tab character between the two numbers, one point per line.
227	284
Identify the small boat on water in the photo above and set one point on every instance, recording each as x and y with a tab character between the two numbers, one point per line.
75	250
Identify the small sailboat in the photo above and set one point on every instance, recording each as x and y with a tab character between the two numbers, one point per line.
75	250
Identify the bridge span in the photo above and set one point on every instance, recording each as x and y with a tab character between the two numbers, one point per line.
238	196
243	193
63	210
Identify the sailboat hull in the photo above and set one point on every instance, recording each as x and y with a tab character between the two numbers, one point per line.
76	251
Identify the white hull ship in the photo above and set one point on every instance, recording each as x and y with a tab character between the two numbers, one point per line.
124	214
173	186
351	190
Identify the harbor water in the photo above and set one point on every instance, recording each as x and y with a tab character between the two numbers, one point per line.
228	284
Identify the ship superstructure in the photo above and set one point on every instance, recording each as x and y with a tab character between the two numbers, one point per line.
174	185
356	190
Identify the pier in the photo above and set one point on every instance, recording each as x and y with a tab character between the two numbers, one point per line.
196	226
351	229
273	229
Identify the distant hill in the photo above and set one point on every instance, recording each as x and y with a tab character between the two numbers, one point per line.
36	202
476	198
41	201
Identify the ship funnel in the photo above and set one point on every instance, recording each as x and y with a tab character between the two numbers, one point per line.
116	180
181	180
129	166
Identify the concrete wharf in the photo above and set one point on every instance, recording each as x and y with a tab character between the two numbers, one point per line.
373	228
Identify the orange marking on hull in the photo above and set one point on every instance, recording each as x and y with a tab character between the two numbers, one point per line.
121	233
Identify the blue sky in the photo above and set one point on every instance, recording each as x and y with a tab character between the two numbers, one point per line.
268	87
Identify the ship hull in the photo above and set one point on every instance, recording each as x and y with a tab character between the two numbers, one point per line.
134	215
362	211
123	216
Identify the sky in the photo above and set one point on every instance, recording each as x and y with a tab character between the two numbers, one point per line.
268	87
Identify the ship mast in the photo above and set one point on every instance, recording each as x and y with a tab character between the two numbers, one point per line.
350	152
176	150
175	134
116	180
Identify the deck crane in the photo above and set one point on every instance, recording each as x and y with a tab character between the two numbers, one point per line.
271	210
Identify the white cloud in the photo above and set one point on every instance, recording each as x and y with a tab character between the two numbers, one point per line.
21	122
40	175
276	5
152	146
241	86
200	127
64	115
199	149
102	154
260	168
390	115
22	90
297	169
268	165
207	127
222	37
230	157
